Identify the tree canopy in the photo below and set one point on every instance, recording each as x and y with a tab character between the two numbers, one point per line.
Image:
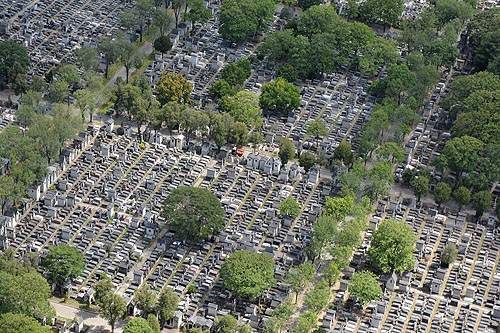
280	96
15	323
137	325
173	87
248	273
64	261
365	287
392	247
194	213
14	60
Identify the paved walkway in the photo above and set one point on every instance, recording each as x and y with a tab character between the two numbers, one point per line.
145	49
90	318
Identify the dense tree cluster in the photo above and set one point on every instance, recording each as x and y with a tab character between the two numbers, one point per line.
386	12
484	40
14	62
320	41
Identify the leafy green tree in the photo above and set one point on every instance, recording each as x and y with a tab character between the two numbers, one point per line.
338	207
244	107
137	325
237	72
440	53
248	273
350	234
87	58
280	96
305	4
38	84
62	262
227	324
14	59
448	255
392	247
448	10
102	288
129	56
316	128
323	233
343	153
15	323
378	180
461	196
317	20
305	322
279	318
395	84
110	51
442	193
58	92
390	151
198	12
20	85
307	160
162	44
153	323
255	138
420	187
194	213
332	273
317	299
220	128
462	154
365	287
278	46
145	299
221	88
112	308
300	277
25	293
239	133
481	202
167	305
241	18
162	19
288	72
173	87
287	150
289	207
86	102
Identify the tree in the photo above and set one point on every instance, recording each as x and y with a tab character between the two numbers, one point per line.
332	273
248	273
448	255
280	315
162	19
395	84
305	322
221	126
137	325
195	120
341	255
420	187
38	84
307	160
193	213
306	4
113	307
338	207
24	292
287	150
318	298
15	323
20	85
198	12
300	277
365	287
236	73
442	193
244	107
86	101
461	196
289	207
177	7
87	58
153	323
343	152
173	87
239	133
316	128
145	299
221	88
110	52
102	288
240	19
58	92
14	60
448	10
162	44
481	202
129	56
462	153
255	138
280	96
440	53
64	261
166	306
390	151
392	247
226	324
318	20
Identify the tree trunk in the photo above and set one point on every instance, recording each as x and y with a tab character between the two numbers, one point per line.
107	67
296	297
127	69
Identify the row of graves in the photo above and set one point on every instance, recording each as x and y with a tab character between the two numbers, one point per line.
53	30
